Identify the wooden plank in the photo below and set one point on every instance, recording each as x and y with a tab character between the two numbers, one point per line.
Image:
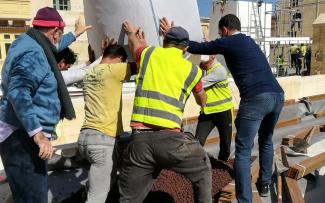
284	157
228	193
278	161
319	114
289	102
288	122
306	166
308	132
255	168
225	200
300	141
293	190
317	97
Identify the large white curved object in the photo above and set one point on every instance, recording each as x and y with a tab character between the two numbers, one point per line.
107	16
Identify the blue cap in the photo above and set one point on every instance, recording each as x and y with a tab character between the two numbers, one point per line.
178	36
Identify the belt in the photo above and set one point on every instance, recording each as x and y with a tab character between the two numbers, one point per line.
148	130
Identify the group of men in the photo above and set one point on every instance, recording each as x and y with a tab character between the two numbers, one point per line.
35	98
300	58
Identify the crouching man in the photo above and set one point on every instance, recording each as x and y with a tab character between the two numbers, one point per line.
164	82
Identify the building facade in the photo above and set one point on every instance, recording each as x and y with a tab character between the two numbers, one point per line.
295	17
16	17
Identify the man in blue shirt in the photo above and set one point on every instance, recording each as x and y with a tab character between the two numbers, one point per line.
34	99
261	102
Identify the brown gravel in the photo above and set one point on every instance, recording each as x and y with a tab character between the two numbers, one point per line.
177	188
171	187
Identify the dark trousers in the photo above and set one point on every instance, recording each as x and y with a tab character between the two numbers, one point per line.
298	66
293	60
223	122
150	152
26	172
308	66
256	115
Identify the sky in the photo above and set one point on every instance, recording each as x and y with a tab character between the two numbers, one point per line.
204	6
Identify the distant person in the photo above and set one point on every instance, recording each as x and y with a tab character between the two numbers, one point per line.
299	61
303	49
308	59
65	59
261	101
293	53
218	110
280	62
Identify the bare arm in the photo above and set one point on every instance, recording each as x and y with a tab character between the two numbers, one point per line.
200	98
136	37
165	25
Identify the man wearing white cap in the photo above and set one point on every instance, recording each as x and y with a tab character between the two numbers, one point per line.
217	111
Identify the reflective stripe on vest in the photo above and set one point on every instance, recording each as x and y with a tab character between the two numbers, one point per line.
150	105
219	102
217	85
218	96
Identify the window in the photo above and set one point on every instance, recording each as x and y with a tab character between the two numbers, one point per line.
7	46
294	3
0	53
62	5
16	36
6	36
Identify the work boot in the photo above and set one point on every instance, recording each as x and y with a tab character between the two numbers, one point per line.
263	190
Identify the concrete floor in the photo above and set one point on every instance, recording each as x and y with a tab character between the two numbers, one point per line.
64	183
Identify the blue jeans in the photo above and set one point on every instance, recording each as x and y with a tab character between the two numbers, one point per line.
26	172
256	115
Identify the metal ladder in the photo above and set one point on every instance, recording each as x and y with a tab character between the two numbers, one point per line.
256	25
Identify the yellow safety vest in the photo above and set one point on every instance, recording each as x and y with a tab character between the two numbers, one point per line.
280	61
164	82
293	49
218	96
303	50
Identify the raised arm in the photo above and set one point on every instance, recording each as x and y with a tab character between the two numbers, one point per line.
204	48
69	38
136	37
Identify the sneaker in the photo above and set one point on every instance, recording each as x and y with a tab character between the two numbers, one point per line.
263	190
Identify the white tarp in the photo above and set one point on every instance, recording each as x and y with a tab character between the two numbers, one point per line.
107	16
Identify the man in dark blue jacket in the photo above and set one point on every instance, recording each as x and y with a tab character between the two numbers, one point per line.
261	100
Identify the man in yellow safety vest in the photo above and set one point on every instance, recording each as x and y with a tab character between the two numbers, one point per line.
293	54
217	111
164	83
303	49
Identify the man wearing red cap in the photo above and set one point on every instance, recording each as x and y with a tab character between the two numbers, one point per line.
34	99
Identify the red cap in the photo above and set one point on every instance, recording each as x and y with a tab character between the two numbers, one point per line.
48	17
